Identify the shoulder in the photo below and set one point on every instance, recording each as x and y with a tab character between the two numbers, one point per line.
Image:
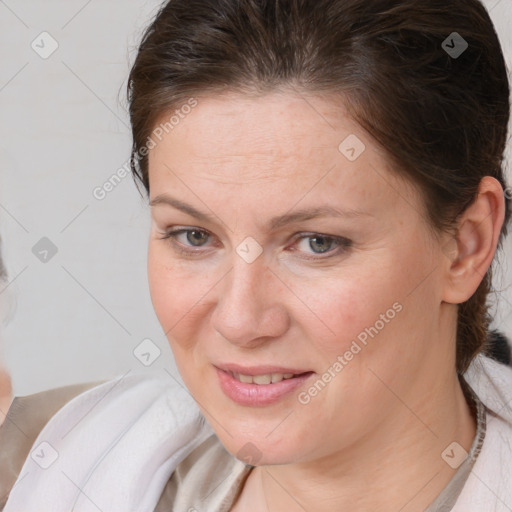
489	486
138	427
26	417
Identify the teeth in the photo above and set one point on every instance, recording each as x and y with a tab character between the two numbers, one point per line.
267	378
262	379
245	378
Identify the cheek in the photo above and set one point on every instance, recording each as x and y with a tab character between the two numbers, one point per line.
345	305
381	302
176	295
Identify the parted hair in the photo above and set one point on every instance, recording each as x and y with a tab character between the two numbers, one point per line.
440	116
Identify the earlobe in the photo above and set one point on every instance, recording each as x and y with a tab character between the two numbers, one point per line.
476	240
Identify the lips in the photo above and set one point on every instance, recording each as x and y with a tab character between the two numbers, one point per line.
261	385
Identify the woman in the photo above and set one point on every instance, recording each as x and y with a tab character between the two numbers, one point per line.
326	189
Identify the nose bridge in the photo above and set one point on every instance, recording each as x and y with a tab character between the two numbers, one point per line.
245	287
247	306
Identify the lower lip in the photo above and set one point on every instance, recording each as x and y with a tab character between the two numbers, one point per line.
258	394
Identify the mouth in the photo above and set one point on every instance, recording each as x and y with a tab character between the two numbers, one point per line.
259	386
265	378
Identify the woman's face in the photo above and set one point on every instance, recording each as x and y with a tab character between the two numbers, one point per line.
281	245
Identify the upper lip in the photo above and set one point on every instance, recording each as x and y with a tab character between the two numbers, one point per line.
259	370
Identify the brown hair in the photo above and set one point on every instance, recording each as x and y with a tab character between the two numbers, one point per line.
441	117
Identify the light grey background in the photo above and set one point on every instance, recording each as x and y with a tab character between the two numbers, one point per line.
63	132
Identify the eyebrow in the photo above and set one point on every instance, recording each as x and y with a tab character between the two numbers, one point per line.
275	223
164	199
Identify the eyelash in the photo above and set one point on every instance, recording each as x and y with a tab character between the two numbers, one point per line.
171	236
343	244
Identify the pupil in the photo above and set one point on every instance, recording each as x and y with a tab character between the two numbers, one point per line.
196	237
320	244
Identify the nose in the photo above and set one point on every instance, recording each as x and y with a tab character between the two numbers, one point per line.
249	311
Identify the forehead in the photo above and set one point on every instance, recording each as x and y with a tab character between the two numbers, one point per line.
278	143
229	128
270	126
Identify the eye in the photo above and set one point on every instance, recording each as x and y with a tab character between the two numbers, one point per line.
186	239
195	237
319	244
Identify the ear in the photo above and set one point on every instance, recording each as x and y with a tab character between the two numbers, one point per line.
475	243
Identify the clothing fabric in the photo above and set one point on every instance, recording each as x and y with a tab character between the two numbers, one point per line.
111	448
24	421
449	495
141	444
489	484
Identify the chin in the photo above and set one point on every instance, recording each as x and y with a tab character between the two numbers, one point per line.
259	450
